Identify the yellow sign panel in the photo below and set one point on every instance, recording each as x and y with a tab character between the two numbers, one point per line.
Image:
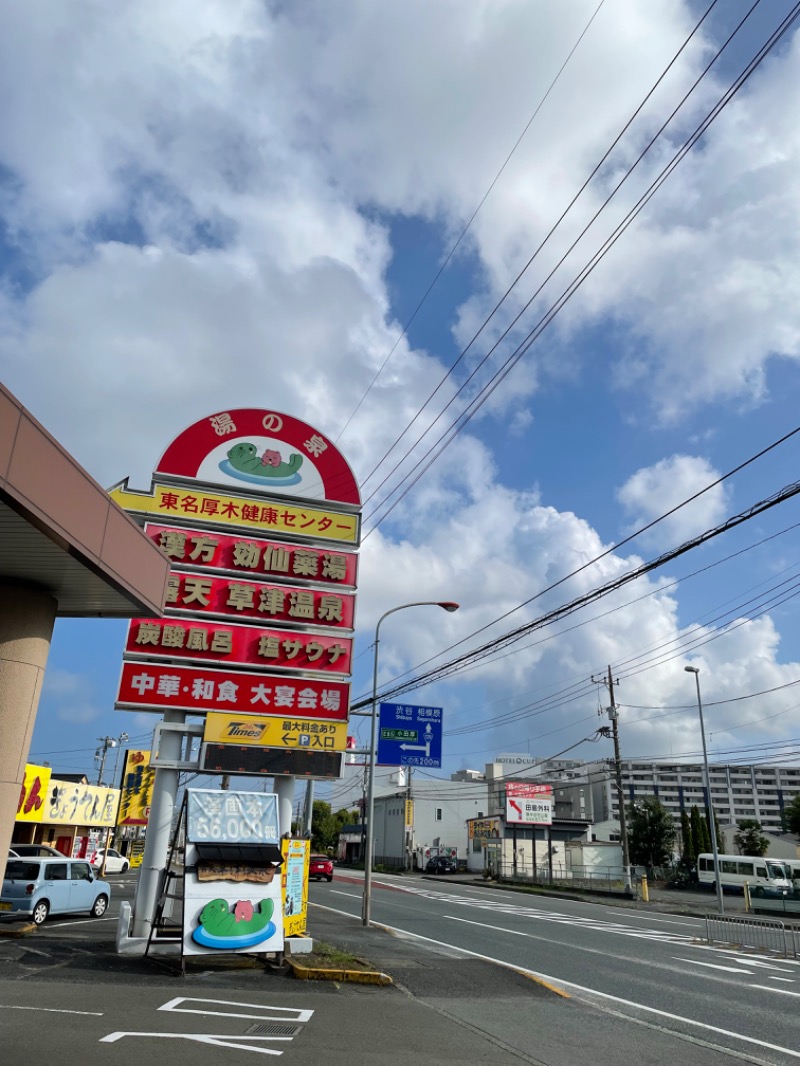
409	814
33	794
171	502
69	804
264	731
294	885
137	788
484	828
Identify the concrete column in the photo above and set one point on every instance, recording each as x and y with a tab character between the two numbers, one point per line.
27	616
284	790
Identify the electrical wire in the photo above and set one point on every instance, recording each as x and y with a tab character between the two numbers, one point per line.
467	227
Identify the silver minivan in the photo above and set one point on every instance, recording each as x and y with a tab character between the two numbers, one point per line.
36	887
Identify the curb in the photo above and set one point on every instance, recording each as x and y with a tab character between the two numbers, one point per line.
17	929
356	977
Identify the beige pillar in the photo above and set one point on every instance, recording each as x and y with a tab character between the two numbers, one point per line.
27	616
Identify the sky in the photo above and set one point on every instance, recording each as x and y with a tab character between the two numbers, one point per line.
245	203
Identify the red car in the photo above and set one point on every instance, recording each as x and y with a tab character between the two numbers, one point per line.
320	866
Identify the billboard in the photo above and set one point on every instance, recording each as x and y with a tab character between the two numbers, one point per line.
137	788
528	804
33	793
92	805
279	732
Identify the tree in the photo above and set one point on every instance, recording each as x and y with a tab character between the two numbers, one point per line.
750	839
697	832
793	816
325	825
651	833
705	834
688	854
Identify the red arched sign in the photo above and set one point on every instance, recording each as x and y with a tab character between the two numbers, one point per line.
261	451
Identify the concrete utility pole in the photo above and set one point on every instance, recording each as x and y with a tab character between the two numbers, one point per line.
107	742
623	822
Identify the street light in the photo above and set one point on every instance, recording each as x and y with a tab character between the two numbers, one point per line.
711	819
368	857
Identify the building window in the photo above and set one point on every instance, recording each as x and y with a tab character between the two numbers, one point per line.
438	814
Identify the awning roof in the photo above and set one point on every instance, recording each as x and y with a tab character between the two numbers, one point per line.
60	531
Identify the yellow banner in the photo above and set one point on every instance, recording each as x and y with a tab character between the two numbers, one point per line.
137	788
484	828
69	804
409	814
33	795
200	505
264	731
294	885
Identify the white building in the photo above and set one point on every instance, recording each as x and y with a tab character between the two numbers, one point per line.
437	818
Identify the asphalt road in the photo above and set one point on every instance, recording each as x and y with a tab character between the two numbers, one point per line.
647	966
65	994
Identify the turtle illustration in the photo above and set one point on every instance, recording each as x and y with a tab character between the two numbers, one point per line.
218	921
245	458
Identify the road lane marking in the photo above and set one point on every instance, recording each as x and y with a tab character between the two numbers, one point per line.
287	1014
713	965
780	991
52	1010
215	1039
788	980
350	895
557	982
652	918
85	921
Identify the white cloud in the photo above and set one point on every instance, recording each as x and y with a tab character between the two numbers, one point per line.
203	194
73	696
653	490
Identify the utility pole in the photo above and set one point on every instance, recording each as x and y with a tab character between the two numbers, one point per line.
101	753
409	825
623	826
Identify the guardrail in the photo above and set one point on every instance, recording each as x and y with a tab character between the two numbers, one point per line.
607	878
764	933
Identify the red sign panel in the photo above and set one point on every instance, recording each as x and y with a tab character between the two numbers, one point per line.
229	598
153	687
275	452
520	788
254	556
217	642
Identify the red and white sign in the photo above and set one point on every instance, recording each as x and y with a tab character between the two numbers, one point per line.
153	687
529	804
220	642
230	598
521	788
278	454
205	550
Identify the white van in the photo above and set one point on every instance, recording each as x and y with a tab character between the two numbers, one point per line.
764	876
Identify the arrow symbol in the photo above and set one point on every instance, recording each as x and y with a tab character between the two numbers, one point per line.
286	737
516	806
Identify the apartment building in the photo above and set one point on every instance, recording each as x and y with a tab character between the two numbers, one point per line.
759	790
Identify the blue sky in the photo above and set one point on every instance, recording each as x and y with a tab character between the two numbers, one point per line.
247	204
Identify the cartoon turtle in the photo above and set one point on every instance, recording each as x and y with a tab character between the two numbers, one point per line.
217	920
245	458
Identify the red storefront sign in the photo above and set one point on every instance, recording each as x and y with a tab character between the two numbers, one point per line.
153	687
219	642
231	598
209	550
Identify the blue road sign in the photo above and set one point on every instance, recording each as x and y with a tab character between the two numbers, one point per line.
409	735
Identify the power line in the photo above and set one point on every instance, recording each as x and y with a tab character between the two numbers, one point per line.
466	229
519	276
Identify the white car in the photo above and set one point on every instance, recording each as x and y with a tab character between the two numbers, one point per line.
115	863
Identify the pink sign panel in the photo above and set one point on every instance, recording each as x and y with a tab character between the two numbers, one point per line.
232	645
155	687
243	554
230	598
520	788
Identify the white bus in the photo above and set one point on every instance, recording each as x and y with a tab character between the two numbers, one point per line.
760	874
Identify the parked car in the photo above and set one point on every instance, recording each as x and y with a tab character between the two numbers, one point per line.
440	865
36	887
37	850
320	866
12	854
115	863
